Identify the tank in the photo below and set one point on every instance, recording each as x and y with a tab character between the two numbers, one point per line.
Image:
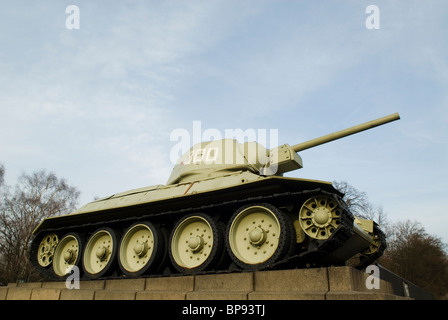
226	207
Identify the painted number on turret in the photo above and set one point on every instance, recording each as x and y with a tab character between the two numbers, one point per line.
206	155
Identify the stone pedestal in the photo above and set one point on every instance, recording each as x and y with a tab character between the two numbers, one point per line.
333	283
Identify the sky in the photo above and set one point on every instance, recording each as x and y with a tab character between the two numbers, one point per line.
95	94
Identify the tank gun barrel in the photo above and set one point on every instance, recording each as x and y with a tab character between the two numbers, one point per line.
346	132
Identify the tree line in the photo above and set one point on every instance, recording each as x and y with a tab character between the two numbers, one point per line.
411	253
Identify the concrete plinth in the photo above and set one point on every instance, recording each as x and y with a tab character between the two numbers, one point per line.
299	284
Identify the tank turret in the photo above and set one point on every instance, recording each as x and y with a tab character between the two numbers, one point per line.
217	158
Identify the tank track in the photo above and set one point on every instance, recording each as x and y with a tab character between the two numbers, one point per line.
314	255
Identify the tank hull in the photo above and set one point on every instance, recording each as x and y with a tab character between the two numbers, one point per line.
162	199
218	205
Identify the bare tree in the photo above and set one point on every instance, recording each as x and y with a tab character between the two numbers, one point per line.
36	196
359	204
355	199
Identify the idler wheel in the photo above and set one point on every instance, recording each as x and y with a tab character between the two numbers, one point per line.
46	249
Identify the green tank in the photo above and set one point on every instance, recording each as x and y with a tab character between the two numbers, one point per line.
226	207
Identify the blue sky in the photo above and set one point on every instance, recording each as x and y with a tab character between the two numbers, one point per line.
97	105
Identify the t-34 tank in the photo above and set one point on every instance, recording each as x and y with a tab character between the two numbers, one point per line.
226	207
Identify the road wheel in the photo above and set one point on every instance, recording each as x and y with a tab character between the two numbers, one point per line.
196	243
259	235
